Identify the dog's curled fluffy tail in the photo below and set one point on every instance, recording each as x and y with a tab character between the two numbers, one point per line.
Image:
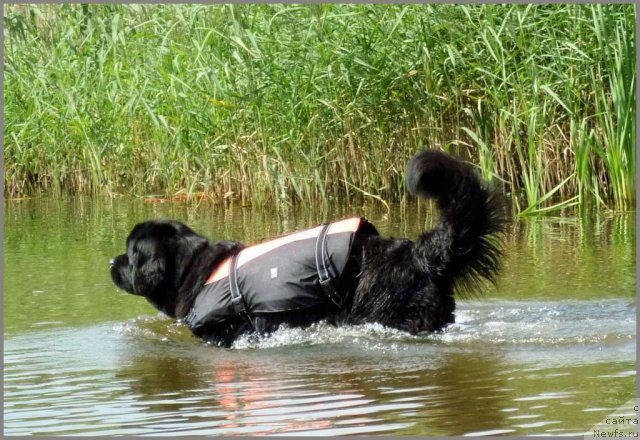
466	246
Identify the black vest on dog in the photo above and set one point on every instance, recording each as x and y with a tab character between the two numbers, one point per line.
290	273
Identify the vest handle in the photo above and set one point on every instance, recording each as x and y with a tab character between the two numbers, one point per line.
324	276
237	300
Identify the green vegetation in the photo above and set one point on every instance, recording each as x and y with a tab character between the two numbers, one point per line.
299	103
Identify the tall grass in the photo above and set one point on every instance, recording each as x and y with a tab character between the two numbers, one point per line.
301	103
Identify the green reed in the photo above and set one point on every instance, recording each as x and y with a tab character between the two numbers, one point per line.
301	103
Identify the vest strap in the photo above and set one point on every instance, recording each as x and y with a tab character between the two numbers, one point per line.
322	266
237	300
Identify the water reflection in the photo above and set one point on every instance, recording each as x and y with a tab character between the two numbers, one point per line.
281	390
570	258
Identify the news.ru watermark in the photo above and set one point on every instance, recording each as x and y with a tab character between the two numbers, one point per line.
622	423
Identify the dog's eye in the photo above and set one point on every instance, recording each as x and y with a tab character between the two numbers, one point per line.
136	259
139	260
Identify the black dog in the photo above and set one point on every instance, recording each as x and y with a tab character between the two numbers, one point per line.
346	272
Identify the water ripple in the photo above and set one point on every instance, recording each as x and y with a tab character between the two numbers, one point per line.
149	376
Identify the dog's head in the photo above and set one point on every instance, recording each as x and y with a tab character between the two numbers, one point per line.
157	259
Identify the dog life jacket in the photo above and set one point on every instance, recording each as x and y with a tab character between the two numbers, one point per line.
292	272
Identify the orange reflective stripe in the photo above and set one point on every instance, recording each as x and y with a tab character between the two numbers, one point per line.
248	254
348	225
220	272
252	252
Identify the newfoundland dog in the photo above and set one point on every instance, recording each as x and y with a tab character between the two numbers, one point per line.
342	273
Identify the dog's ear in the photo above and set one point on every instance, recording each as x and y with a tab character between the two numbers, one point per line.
148	255
149	273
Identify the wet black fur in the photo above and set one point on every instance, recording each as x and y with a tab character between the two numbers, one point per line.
408	285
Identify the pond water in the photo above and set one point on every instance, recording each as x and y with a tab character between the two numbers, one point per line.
550	350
